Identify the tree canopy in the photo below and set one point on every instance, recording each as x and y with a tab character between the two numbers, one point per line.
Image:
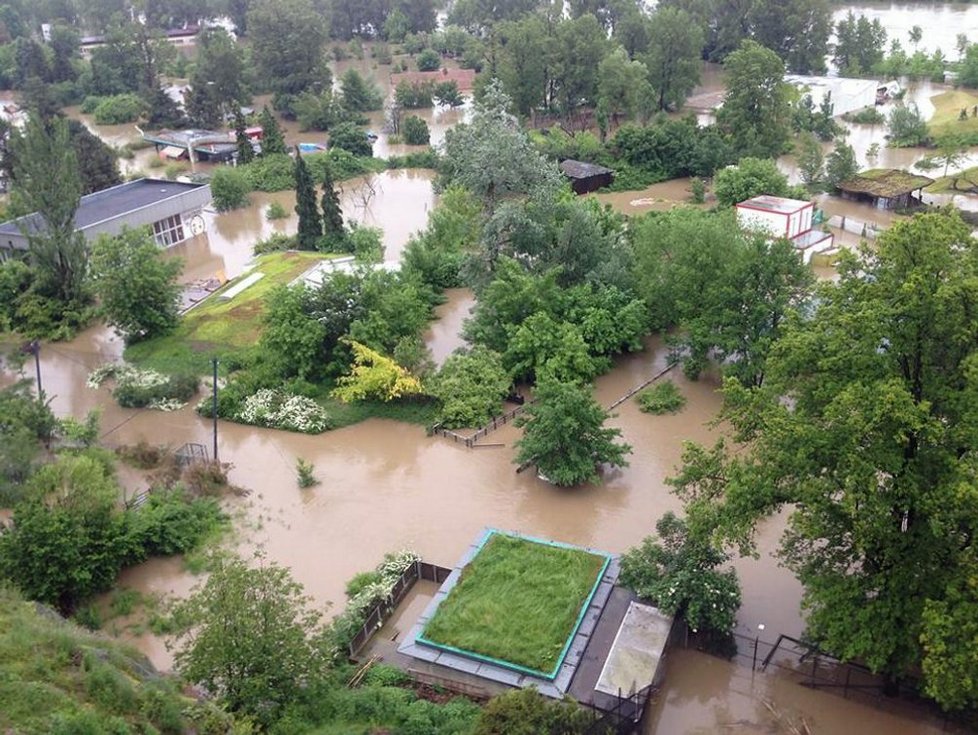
866	427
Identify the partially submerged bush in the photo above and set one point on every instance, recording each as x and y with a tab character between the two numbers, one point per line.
661	398
136	388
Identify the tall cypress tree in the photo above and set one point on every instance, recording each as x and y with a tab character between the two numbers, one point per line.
272	139
332	214
310	225
245	152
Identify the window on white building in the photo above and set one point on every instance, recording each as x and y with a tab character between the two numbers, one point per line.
168	232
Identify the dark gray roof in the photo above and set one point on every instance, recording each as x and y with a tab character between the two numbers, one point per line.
582	169
112	202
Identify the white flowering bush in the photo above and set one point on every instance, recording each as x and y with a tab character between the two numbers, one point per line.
138	388
680	575
372	588
277	409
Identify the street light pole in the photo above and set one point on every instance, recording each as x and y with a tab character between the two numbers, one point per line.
214	407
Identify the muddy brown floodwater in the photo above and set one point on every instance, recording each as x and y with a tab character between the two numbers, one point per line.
396	201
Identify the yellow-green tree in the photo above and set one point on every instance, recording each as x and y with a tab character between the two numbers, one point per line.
375	376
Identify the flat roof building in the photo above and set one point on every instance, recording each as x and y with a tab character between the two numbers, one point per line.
793	219
171	208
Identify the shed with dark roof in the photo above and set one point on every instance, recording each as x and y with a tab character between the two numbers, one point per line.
586	177
885	188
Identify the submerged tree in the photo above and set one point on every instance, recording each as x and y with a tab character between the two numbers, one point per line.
246	152
310	224
565	437
136	284
866	427
273	141
46	181
333	230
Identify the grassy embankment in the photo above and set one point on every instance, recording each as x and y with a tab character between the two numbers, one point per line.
517	601
57	677
222	328
946	121
230	329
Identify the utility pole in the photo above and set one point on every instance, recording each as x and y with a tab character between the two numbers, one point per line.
214	407
34	348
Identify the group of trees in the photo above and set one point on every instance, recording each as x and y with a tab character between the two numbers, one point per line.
864	426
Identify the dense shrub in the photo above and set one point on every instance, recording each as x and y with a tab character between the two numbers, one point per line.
121	108
229	188
415	131
170	522
415	95
351	138
135	388
429	60
661	398
275	242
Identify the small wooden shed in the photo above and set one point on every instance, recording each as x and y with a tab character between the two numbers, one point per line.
885	188
586	177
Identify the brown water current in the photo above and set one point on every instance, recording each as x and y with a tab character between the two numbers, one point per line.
702	695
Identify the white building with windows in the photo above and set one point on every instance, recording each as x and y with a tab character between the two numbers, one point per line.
173	210
792	219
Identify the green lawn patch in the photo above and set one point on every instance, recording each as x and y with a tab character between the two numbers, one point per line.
965	182
219	328
519	602
947	112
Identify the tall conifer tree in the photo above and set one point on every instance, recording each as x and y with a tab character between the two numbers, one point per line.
310	225
332	214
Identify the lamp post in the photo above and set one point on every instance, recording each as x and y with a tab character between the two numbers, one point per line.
760	629
214	408
34	348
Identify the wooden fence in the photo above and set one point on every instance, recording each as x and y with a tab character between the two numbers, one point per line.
470	441
380	613
641	386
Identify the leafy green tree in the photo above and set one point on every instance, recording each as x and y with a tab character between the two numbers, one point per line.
679	574
841	165
907	127
250	637
543	346
865	428
737	319
310	223
246	152
623	87
494	135
415	131
447	93
522	64
749	178
471	386
292	340
162	111
333	230
951	150
67	541
287	38
26	423
811	162
46	180
359	95
98	165
755	111
859	44
351	137
527	712
796	30
220	70
580	46
675	44
229	188
968	70
203	107
375	376
273	141
565	437
429	60
136	284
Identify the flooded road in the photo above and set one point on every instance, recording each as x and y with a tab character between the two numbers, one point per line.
444	335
